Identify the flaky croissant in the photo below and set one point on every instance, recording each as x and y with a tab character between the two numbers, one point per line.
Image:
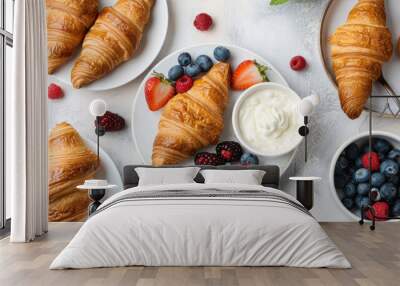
113	39
359	48
70	164
67	23
193	120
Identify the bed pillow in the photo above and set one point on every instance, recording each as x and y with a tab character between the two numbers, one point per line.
244	177
166	176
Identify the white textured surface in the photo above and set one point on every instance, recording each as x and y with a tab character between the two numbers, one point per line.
195	231
276	33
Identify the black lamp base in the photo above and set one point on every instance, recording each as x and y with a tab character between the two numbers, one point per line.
96	196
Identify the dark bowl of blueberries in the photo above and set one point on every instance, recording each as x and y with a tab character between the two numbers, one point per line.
363	176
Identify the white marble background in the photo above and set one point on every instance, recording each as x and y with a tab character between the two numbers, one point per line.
277	33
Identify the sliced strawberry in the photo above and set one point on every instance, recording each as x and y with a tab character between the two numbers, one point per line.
158	91
247	74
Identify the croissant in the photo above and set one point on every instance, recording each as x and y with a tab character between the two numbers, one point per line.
359	48
112	40
193	120
70	164
67	23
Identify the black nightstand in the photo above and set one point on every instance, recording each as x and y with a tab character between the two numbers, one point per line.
304	190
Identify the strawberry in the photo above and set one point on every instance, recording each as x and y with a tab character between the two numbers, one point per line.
54	91
247	74
158	91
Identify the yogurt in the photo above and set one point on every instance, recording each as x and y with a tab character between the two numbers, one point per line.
268	121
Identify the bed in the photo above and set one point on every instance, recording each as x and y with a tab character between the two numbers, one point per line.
199	224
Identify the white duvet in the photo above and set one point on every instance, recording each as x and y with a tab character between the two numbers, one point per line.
200	231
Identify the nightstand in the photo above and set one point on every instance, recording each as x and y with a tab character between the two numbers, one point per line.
304	190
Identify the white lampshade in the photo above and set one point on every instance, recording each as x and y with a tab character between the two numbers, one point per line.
314	98
305	107
98	107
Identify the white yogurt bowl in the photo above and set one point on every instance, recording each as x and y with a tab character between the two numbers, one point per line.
266	120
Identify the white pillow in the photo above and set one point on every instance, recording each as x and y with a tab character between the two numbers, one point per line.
244	177
166	176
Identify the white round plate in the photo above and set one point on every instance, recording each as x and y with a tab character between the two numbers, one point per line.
152	42
335	15
107	171
145	122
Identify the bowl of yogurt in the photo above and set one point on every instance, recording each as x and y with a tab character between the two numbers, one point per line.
266	120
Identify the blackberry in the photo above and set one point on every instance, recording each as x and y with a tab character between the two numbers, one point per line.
229	151
206	158
111	122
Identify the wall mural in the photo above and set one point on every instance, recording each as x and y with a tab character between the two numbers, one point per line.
210	104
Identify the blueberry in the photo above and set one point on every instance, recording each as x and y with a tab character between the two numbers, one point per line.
365	148
361	201
185	59
381	145
396	208
348	203
388	192
357	212
394	155
248	159
350	190
377	179
358	163
351	171
361	175
175	72
222	54
363	189
193	70
342	162
389	168
340	194
204	62
339	171
352	151
395	180
340	181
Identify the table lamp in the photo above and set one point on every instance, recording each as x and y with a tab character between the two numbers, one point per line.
98	108
305	108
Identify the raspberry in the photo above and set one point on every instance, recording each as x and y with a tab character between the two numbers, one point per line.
375	164
381	211
203	22
183	84
54	91
111	121
298	63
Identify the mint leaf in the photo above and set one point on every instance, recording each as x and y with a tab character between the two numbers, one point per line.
278	2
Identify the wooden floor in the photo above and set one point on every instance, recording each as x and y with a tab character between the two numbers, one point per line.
375	257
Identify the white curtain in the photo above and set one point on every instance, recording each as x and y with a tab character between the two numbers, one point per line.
26	119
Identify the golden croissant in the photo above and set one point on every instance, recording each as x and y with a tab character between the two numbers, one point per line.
67	23
193	120
113	39
70	164
359	48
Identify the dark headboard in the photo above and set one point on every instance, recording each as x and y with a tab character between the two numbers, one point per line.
271	178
